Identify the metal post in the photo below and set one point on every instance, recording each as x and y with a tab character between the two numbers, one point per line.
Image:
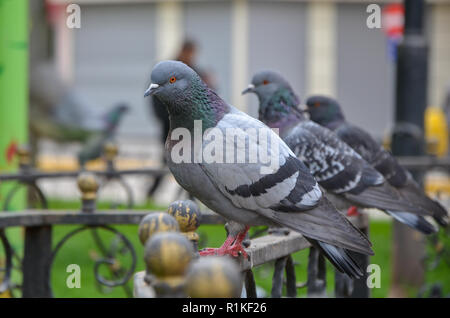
277	279
317	280
360	288
13	85
36	265
411	84
291	281
250	285
408	137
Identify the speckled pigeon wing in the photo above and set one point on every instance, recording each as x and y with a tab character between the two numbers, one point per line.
335	165
363	143
287	187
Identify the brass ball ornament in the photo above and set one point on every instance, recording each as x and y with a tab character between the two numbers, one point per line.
167	256
188	216
88	185
214	277
154	223
110	150
24	154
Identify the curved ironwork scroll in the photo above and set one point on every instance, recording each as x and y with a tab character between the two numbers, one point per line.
32	186
5	284
125	186
120	274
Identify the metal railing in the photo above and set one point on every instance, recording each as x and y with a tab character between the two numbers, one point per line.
39	253
40	250
276	247
27	176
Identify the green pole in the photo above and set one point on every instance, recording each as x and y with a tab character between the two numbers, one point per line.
13	87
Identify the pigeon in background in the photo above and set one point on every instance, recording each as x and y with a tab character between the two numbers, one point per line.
328	113
348	179
288	195
93	147
61	112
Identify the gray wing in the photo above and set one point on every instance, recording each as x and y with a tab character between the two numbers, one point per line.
335	165
382	160
284	184
396	175
339	169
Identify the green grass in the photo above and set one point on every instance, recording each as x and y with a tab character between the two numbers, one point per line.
82	250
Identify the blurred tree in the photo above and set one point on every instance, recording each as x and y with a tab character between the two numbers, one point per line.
13	86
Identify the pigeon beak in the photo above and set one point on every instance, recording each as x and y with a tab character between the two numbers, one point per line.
151	89
250	88
303	108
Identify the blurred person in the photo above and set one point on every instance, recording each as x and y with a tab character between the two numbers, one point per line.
187	55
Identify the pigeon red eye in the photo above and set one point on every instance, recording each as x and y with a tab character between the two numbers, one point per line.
173	79
265	82
317	104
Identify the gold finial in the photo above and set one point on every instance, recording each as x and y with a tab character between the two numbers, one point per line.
156	222
23	152
110	150
88	185
167	256
214	277
188	216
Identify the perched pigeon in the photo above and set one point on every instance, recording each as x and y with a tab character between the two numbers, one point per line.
287	195
348	179
327	112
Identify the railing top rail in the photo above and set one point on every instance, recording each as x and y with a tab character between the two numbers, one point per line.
424	162
421	162
65	217
59	217
271	247
36	174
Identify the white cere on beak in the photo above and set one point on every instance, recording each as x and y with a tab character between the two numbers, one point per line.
149	90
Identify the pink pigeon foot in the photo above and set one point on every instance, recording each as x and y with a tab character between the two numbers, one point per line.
232	246
352	211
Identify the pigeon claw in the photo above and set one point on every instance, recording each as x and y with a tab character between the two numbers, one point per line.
352	211
235	250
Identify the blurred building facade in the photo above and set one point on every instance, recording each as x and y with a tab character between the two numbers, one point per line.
319	46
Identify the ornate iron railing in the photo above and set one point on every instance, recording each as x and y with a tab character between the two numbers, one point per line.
278	248
39	254
27	176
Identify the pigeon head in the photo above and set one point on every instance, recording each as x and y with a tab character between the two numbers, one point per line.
185	95
171	80
276	97
323	110
266	83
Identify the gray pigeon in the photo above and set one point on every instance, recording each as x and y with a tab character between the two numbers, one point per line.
348	179
287	195
327	112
